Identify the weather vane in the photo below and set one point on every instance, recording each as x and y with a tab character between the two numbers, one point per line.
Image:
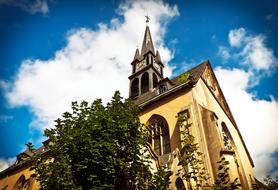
147	19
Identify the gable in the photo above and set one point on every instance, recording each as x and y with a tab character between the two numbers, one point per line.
210	80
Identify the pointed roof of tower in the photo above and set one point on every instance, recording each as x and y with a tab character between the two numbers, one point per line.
147	42
137	55
157	57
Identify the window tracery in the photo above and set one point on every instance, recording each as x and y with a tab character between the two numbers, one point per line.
227	141
159	137
162	88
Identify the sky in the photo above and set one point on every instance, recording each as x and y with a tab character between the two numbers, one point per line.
54	52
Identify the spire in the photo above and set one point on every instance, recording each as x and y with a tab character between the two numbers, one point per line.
157	57
147	42
137	55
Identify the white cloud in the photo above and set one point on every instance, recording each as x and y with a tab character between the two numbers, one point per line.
257	55
250	50
35	6
258	127
3	165
236	37
224	53
92	65
258	118
6	162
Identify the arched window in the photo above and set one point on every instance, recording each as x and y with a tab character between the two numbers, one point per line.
179	184
235	165
19	185
134	88
133	68
31	181
227	138
162	88
154	80
159	135
145	83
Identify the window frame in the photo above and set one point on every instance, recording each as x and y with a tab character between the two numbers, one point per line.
159	135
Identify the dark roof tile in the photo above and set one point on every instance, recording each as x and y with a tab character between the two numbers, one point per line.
190	77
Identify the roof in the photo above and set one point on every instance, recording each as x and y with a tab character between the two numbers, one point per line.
26	162
137	55
185	80
147	42
28	153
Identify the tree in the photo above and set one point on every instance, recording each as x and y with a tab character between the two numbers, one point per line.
193	165
223	181
97	147
30	146
161	179
271	184
191	162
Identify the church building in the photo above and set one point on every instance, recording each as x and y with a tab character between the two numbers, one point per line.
197	95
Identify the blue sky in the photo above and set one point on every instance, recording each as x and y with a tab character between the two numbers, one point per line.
54	52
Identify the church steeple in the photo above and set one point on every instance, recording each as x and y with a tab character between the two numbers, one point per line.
147	68
147	42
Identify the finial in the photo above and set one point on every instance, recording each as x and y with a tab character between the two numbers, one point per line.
147	19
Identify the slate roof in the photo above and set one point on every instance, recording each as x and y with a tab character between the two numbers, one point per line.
147	42
28	161
185	80
194	73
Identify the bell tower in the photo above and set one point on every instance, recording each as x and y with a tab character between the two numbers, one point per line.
147	68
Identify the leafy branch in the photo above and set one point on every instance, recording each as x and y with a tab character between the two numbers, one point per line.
223	181
191	162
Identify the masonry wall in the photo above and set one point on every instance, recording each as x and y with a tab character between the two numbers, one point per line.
202	105
206	115
11	180
206	100
169	108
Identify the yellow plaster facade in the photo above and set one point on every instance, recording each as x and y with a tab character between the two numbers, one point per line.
196	92
21	178
197	99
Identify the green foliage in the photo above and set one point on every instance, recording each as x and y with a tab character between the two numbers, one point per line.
30	146
161	179
271	184
97	147
223	178
183	77
193	166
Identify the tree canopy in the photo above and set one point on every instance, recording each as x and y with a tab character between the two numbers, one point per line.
97	147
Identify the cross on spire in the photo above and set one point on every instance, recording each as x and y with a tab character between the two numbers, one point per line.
147	19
